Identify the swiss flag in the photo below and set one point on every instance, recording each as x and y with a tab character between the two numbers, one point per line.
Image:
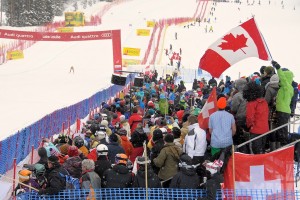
209	108
269	173
241	42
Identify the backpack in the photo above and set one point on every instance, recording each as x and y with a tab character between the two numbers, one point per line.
71	182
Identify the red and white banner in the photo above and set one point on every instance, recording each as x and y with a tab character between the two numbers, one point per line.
271	171
57	36
209	108
114	35
241	42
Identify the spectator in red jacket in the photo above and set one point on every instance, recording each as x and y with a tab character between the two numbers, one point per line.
257	115
134	119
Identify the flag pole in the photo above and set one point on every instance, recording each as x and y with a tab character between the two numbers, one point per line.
263	39
233	173
146	169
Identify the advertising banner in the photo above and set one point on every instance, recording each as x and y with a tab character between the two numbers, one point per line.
65	29
150	23
117	54
114	35
49	36
74	19
128	51
142	32
14	55
127	62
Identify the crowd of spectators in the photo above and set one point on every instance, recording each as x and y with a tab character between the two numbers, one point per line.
162	123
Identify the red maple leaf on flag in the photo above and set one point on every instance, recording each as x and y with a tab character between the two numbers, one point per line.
234	43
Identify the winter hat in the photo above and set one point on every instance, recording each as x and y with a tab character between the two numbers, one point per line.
64	149
157	134
142	160
54	152
73	151
240	84
169	138
121	132
185	159
104	122
53	159
100	135
122	118
113	138
269	70
274	79
24	175
262	69
221	103
42	152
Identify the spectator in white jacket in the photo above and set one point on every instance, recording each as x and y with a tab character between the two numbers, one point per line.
195	141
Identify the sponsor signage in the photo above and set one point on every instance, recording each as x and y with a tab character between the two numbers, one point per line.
142	32
150	23
60	36
128	51
14	55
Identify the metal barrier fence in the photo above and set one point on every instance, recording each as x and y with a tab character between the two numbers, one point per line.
120	193
19	145
257	195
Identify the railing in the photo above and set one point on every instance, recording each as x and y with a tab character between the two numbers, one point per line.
164	193
121	193
259	194
271	131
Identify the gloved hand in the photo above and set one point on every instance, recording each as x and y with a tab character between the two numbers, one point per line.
275	64
41	192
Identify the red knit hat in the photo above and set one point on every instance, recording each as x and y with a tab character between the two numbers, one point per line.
73	151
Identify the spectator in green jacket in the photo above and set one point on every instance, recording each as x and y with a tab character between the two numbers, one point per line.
283	101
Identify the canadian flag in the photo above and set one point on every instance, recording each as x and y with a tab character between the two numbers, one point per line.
241	42
270	173
209	108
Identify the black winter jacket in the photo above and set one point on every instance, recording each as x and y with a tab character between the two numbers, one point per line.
117	177
186	179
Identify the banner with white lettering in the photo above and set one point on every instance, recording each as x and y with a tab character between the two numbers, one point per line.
55	36
114	35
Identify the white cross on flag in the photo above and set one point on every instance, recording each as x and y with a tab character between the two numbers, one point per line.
209	108
241	42
271	171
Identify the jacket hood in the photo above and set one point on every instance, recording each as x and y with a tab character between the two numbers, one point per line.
188	172
141	173
289	76
174	149
240	84
124	138
122	169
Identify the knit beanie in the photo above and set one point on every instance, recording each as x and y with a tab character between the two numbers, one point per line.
73	151
24	175
269	70
54	152
64	149
104	122
221	103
